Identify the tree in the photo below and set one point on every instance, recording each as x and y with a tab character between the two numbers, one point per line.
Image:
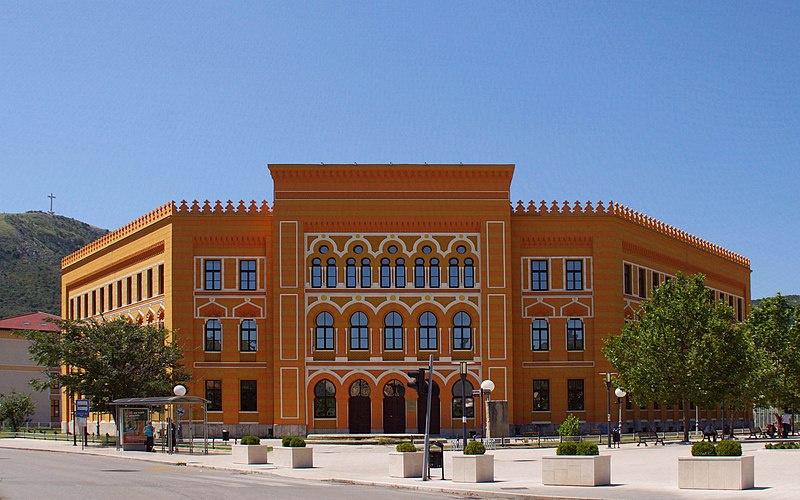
683	347
108	360
774	329
15	409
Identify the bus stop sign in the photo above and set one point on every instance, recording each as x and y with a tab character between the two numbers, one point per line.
82	408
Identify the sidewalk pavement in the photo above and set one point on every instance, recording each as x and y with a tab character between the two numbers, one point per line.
636	472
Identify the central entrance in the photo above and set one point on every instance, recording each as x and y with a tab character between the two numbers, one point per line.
394	407
360	408
422	405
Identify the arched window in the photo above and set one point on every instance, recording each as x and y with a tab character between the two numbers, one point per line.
350	273
386	273
324	331
366	273
393	332
394	389
316	273
469	273
324	399
435	273
360	389
575	335
400	273
359	337
248	336
330	272
467	395
462	331
428	333
452	279
540	335
213	335
419	273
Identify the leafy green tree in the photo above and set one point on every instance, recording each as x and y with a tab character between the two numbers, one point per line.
15	409
774	329
108	360
684	347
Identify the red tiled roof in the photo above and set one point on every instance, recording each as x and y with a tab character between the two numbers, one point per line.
30	321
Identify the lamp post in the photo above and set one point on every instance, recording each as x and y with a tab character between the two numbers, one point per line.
487	386
620	393
463	373
608	403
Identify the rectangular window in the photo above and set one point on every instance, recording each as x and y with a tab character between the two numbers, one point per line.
541	395
149	283
248	395
574	395
214	395
139	287
247	275
540	335
55	410
86	306
642	283
739	309
161	279
539	275
110	297
213	275
78	305
119	293
94	302
574	275
656	279
128	290
102	301
575	335
248	336
627	279
72	309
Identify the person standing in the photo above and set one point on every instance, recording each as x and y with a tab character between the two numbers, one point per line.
786	422
149	432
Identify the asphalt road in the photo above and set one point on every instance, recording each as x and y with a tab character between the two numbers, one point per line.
33	475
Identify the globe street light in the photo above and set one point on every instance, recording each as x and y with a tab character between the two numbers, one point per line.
620	393
487	386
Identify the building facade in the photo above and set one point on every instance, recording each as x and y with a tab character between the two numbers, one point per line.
306	316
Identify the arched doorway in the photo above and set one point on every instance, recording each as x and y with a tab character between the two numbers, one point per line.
394	407
359	408
422	405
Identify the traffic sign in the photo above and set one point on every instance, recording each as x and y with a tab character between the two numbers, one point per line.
82	408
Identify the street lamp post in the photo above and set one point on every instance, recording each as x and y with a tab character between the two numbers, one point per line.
487	386
620	393
608	404
463	373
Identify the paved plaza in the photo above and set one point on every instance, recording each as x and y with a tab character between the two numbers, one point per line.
636	472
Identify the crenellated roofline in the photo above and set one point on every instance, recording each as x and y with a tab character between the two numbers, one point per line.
618	210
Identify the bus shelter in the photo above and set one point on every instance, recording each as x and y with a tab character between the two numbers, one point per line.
175	418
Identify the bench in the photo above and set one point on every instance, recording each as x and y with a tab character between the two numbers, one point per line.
533	435
644	437
757	432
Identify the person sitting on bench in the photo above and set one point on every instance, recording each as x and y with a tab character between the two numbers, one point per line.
710	432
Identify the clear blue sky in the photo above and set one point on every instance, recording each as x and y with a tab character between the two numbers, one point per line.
688	112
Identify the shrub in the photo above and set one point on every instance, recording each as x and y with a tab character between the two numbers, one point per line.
570	427
729	448
703	449
285	440
587	449
250	440
567	448
406	447
474	448
782	446
296	442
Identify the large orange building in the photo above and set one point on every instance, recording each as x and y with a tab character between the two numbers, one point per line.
305	317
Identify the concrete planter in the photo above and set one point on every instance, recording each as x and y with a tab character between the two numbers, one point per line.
716	473
296	458
473	468
576	470
408	464
249	453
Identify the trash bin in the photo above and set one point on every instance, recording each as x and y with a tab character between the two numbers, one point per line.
435	459
226	435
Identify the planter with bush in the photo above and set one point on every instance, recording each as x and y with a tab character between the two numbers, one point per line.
249	451
473	466
405	461
782	446
720	467
576	464
293	453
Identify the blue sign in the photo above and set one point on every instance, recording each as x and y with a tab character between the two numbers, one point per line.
82	408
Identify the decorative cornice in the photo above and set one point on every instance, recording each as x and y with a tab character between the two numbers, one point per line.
195	208
385	171
622	212
321	226
555	240
239	241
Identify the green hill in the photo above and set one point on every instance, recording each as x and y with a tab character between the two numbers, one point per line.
792	299
31	247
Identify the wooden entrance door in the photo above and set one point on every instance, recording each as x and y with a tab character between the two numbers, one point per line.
360	408
394	407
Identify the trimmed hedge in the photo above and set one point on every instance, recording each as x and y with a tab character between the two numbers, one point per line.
703	449
782	446
296	442
567	448
587	449
406	447
729	448
250	440
474	448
